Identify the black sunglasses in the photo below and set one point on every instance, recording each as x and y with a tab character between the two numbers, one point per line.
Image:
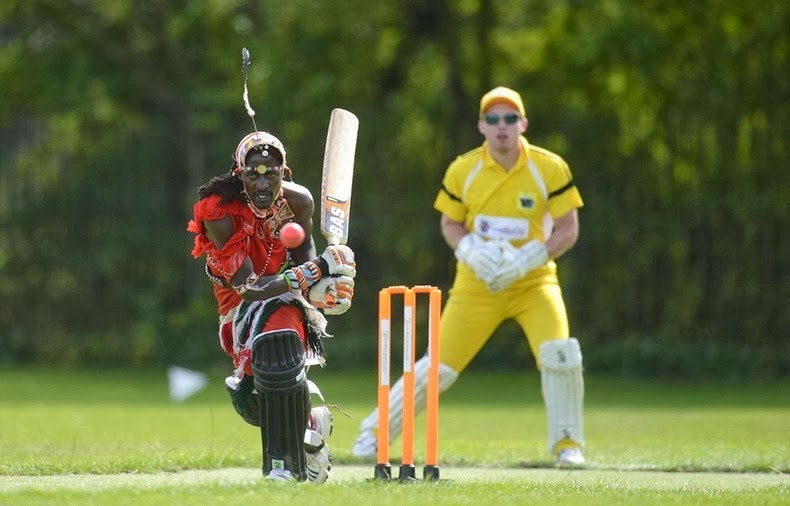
493	119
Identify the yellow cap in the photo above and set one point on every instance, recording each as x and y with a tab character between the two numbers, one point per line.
502	95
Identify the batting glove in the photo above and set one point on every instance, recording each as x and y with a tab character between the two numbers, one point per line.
332	294
338	260
302	277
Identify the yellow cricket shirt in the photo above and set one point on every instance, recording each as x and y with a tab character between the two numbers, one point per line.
517	204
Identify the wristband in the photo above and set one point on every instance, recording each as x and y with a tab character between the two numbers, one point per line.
292	280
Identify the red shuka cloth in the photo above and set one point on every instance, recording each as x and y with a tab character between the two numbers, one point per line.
252	237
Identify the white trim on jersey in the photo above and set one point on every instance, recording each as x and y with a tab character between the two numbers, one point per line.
538	178
472	175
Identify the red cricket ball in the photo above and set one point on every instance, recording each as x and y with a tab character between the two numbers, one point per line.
292	235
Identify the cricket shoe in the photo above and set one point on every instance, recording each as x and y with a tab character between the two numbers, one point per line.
321	421
570	457
280	475
366	445
318	458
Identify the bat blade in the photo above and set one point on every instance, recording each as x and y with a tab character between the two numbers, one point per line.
338	175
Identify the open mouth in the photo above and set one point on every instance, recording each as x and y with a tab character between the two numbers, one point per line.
261	197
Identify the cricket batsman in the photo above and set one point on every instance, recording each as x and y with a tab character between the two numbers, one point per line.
271	300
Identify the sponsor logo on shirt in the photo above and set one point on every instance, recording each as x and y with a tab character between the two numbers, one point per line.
498	227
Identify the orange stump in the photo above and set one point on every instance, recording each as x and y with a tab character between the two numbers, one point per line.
383	467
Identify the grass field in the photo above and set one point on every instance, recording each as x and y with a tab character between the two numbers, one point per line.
104	437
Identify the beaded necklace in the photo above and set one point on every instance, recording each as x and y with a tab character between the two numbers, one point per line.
271	217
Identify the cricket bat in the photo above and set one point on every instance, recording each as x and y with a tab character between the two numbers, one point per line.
338	174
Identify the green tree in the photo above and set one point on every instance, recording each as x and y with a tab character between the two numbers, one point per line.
671	115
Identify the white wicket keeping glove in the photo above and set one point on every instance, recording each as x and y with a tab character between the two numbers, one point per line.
339	261
508	270
332	294
480	255
517	263
532	255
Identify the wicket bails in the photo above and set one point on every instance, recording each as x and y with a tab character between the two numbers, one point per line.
383	468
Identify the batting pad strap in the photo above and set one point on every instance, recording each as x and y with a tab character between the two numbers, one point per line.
563	392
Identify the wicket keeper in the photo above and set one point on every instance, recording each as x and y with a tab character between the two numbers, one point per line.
508	209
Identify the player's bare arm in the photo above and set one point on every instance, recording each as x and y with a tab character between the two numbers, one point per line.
301	202
564	235
452	231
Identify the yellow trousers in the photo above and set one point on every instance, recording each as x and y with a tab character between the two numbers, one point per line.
472	314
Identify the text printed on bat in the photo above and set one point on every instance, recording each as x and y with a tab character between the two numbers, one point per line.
337	221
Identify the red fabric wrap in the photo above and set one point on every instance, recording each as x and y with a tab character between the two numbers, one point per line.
252	237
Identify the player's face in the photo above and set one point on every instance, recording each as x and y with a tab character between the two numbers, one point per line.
262	178
502	125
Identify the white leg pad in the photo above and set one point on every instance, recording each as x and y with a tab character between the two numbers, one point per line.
447	377
563	390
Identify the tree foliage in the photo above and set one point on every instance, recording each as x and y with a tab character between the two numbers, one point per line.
671	114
